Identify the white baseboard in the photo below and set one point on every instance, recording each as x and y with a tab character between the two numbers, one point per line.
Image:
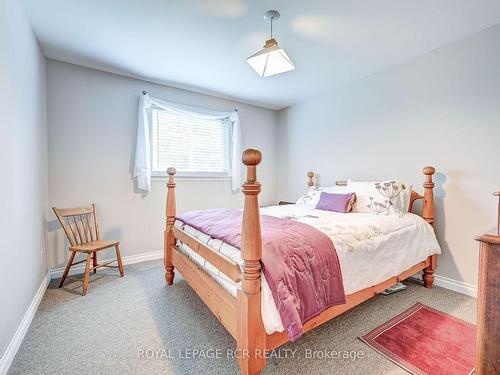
451	284
131	259
9	354
457	286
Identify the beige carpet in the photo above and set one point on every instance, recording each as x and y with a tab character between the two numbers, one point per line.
123	320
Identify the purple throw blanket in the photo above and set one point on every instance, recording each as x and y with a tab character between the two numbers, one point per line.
299	262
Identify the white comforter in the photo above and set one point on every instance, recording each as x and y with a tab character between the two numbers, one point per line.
371	249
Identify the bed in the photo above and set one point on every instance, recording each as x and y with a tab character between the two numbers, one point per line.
231	281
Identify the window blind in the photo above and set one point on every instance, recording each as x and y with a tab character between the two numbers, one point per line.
195	146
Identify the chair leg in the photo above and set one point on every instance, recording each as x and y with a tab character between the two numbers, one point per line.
86	275
119	259
66	270
94	261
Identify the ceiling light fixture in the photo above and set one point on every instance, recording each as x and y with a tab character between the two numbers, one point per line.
271	59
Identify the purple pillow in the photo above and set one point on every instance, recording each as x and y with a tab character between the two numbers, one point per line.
336	202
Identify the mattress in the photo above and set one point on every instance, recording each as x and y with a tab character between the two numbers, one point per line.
371	249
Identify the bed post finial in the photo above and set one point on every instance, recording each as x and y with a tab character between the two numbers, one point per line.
429	214
169	239
310	182
251	336
251	158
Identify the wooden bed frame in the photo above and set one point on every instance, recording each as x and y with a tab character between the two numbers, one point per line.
242	316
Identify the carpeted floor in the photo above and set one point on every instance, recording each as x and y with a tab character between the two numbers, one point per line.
123	321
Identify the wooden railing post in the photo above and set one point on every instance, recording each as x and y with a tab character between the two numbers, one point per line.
429	214
251	336
169	239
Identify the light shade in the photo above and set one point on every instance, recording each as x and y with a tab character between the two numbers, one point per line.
271	60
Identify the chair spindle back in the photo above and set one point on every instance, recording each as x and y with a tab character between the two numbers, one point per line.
80	224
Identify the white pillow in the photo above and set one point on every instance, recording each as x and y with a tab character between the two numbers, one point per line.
381	197
311	198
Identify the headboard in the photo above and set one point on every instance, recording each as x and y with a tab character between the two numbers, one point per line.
428	210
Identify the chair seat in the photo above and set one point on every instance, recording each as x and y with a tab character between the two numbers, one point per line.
90	247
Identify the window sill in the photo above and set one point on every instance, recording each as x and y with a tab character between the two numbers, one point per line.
192	178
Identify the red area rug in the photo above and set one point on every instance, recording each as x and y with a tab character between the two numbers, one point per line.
425	341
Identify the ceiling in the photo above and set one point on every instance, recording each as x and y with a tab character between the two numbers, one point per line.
202	45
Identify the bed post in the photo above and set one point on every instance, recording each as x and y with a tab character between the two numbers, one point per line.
251	336
310	182
429	213
169	239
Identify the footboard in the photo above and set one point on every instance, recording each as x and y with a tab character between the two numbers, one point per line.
220	302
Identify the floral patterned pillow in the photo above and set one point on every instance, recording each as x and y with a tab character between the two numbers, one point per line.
382	197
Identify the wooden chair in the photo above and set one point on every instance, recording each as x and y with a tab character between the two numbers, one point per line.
81	226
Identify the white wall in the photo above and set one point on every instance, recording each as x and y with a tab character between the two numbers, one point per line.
92	131
440	109
23	145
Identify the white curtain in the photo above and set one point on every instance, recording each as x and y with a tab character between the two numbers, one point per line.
142	166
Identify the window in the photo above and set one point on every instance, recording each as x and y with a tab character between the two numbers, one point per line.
196	146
